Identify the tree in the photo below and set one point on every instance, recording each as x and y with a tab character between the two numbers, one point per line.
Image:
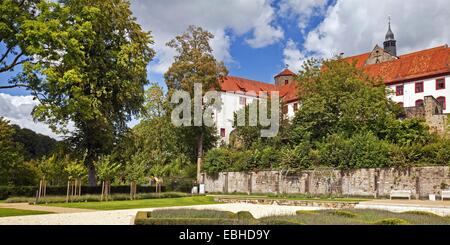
336	97
34	145
14	14
13	169
194	63
90	71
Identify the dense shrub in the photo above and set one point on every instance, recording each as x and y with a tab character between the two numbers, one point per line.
302	156
391	221
95	198
359	151
217	160
30	191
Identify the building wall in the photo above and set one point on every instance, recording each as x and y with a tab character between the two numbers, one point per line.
374	182
225	116
410	96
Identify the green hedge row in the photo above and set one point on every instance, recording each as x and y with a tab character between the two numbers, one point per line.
30	191
242	218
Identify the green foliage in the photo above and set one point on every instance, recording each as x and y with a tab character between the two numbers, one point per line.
13	170
217	160
245	215
344	213
302	156
92	72
391	221
360	151
338	98
34	145
75	170
107	170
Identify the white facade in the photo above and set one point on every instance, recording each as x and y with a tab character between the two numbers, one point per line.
410	96
231	103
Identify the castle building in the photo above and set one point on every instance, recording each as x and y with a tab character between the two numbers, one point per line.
418	82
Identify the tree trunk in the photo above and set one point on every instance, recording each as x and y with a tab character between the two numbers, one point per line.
199	158
92	180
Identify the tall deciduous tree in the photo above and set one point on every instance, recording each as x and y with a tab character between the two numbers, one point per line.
14	14
194	63
91	67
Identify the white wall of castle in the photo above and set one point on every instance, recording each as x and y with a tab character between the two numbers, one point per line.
410	96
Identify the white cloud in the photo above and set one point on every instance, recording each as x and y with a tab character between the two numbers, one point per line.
303	10
293	57
224	19
355	26
17	109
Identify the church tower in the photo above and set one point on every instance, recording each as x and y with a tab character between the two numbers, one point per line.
390	44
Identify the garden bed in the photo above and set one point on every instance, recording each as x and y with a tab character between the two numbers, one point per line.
321	217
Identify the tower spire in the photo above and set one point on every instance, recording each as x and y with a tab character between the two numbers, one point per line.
390	44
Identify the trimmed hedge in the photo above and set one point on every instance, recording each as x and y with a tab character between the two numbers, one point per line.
30	191
241	218
188	221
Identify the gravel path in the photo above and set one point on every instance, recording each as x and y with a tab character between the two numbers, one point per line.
125	217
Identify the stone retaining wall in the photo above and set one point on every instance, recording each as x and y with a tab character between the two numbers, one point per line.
286	202
362	182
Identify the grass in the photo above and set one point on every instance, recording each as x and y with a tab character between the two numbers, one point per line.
361	217
144	203
7	212
95	198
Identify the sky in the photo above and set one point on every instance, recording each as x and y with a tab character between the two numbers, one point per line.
258	38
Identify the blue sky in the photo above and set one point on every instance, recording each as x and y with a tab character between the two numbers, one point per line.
257	38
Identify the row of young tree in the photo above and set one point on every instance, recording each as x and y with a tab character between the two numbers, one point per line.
85	61
345	121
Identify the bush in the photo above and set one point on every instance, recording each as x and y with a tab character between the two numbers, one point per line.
300	157
391	221
193	217
305	212
30	191
344	213
359	151
95	198
244	215
217	160
423	213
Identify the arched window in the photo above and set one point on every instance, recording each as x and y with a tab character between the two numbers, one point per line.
441	101
419	102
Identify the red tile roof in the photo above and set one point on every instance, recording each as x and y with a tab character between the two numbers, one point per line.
430	62
425	63
237	84
285	72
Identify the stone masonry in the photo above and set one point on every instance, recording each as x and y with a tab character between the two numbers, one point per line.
376	182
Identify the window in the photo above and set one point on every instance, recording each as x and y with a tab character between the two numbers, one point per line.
441	101
242	101
222	132
399	90
440	83
419	87
295	106
401	104
419	102
285	109
286	82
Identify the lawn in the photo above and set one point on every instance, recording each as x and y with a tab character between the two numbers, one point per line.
143	203
6	212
